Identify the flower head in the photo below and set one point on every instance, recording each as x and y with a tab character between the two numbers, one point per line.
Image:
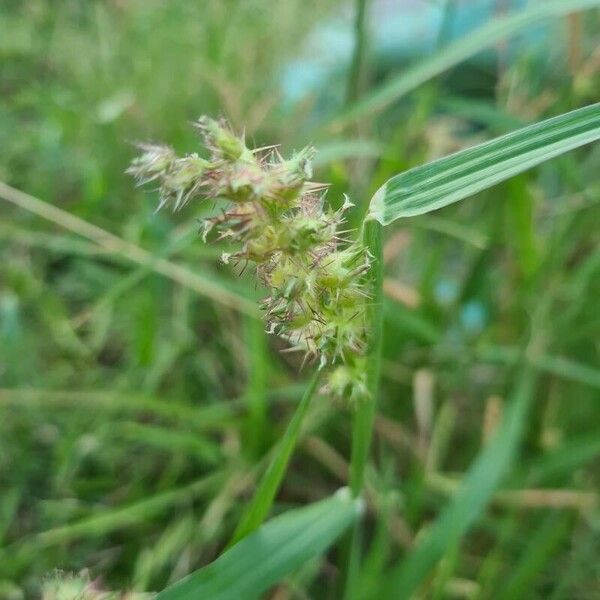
278	220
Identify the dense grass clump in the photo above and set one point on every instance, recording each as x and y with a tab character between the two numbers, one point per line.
148	419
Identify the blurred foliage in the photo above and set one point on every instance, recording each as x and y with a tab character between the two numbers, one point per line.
136	413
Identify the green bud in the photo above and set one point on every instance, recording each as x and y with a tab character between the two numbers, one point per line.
348	381
183	181
154	163
221	141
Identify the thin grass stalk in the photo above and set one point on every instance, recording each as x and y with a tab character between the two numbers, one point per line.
357	68
118	246
364	416
357	79
445	31
269	485
362	428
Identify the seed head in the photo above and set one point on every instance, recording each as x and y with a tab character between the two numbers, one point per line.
276	217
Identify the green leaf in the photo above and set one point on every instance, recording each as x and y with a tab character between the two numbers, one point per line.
263	558
468	504
267	490
450	179
541	547
449	56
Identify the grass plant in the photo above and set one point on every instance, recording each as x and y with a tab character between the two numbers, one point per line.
155	437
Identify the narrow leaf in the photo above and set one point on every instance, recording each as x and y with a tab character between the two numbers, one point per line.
263	558
541	547
451	55
466	507
450	179
267	490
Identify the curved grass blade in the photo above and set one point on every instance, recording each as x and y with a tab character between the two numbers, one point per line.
468	504
485	37
450	179
263	558
267	490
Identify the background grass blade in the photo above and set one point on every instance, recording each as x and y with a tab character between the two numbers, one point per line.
267	489
450	179
260	560
539	551
131	252
453	54
479	484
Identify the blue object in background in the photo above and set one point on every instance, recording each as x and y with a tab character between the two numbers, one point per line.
446	292
400	31
473	317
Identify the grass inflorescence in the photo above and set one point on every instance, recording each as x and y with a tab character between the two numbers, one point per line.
280	222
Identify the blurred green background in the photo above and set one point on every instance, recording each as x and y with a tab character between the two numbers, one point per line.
137	406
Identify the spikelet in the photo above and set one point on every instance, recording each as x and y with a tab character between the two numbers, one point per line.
277	218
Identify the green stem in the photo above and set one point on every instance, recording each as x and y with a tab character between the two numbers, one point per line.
357	67
362	428
265	494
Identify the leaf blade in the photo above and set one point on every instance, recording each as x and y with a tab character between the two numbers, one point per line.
267	489
455	177
453	54
479	484
278	547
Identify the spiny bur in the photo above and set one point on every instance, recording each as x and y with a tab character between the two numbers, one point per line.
278	220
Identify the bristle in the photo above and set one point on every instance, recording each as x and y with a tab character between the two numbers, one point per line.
314	273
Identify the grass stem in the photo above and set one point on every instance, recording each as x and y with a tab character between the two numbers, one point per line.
362	429
364	416
357	68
